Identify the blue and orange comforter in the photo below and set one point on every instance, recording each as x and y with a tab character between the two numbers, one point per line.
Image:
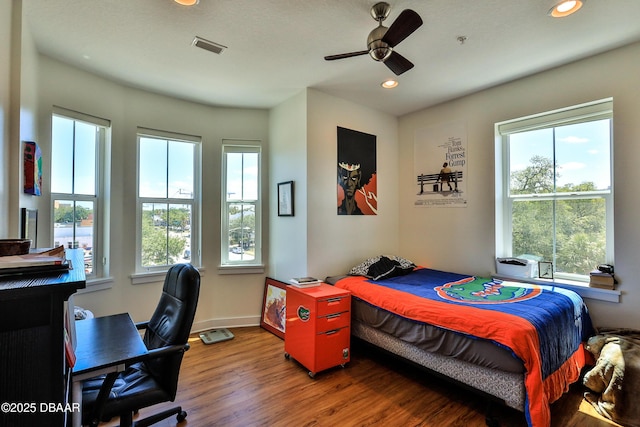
543	326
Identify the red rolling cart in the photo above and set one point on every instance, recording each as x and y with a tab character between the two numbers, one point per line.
318	327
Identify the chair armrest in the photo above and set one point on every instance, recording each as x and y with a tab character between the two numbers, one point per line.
159	352
164	351
142	325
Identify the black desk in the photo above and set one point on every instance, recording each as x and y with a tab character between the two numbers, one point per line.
33	312
105	342
105	345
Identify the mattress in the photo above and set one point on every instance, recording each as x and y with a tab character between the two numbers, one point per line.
433	339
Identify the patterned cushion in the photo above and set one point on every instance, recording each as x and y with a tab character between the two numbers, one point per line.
383	267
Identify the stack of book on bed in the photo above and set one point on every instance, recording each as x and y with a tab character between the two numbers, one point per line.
305	282
599	279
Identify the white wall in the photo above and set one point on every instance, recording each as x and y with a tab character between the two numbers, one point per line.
316	241
5	87
462	239
336	243
18	105
225	300
288	162
28	125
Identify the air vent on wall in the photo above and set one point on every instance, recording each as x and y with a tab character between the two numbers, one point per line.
208	45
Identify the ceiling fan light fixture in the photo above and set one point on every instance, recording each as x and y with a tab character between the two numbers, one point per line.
389	84
565	8
380	53
187	2
382	40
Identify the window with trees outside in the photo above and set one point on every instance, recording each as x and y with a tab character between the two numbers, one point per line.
168	195
557	192
78	158
241	219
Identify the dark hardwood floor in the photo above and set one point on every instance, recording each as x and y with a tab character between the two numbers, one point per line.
247	381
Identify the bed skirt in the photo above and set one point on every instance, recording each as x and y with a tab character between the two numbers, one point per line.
506	386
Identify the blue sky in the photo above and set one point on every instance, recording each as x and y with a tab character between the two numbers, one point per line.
582	151
63	167
167	169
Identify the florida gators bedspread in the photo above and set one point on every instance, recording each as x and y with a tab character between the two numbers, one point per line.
543	326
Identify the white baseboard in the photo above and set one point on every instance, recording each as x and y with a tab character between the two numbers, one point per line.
234	322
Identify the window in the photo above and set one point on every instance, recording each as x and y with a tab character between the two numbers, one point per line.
556	188
168	200
241	240
79	157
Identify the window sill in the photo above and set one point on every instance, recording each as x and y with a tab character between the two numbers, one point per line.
241	269
581	288
155	276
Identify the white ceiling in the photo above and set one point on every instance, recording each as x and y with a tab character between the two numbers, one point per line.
276	47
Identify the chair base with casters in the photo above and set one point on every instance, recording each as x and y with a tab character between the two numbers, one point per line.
153	377
127	420
135	384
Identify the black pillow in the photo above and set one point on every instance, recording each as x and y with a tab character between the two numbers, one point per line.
383	267
386	268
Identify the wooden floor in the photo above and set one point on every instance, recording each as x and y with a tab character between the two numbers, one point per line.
247	381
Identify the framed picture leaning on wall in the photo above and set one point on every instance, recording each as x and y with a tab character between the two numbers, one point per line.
274	307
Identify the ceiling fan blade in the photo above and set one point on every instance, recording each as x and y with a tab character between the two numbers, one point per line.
346	55
406	23
398	63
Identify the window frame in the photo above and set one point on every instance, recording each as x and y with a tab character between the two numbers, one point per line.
194	201
100	248
583	113
240	266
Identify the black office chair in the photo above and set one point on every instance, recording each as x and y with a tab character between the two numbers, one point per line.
154	378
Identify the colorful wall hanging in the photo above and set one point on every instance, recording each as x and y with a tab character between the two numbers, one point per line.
440	166
32	168
357	183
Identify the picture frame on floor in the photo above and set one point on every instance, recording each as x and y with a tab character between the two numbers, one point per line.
274	304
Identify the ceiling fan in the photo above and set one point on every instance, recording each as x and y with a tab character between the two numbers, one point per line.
382	40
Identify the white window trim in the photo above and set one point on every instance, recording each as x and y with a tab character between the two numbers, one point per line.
578	287
591	111
154	274
256	265
99	279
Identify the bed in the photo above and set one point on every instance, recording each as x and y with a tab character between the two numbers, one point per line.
522	344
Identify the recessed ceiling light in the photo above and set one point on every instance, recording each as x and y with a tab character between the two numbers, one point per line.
565	8
389	84
187	2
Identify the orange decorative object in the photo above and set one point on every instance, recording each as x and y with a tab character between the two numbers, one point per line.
318	327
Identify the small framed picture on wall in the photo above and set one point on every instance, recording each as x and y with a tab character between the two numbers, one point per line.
285	198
